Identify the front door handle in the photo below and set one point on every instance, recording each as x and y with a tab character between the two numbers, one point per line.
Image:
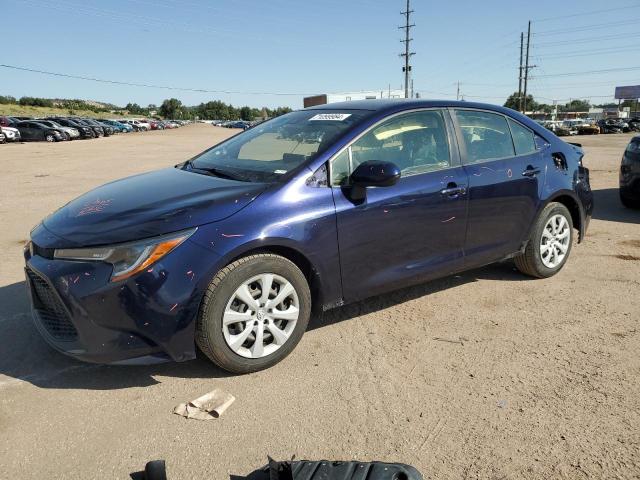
531	172
454	190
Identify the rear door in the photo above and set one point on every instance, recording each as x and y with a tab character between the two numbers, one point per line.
409	231
506	175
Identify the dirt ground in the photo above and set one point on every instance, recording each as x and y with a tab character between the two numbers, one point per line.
487	374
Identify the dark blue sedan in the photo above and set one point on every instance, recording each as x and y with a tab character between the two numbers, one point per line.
231	250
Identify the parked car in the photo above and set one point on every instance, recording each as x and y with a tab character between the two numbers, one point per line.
117	126
622	123
70	133
98	131
8	121
232	249
85	131
11	134
588	129
106	130
557	127
634	124
155	124
135	127
31	130
3	139
630	175
111	129
609	126
141	124
571	125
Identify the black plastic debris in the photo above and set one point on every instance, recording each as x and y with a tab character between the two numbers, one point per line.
333	470
153	470
307	470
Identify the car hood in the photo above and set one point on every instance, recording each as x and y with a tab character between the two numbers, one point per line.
147	205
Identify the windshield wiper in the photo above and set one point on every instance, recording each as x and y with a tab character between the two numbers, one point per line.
217	172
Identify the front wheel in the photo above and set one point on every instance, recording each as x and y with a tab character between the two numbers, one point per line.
550	243
254	313
49	137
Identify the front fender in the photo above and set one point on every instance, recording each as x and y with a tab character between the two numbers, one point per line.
297	217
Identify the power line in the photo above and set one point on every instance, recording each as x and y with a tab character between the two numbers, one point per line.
582	28
590	51
147	85
589	72
591	39
592	12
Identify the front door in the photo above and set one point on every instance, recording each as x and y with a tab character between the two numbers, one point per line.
412	230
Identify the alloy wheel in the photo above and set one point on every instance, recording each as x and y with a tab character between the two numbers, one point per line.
554	241
260	316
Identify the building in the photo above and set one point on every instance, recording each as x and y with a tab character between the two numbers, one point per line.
325	98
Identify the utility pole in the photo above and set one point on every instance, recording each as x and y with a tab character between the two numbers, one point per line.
520	74
527	67
458	92
407	41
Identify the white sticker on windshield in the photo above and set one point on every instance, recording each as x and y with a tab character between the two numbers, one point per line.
331	116
279	172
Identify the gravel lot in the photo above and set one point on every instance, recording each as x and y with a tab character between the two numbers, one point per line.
487	374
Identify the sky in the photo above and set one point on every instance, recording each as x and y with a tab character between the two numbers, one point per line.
273	53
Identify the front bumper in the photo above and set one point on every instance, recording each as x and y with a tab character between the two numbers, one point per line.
148	317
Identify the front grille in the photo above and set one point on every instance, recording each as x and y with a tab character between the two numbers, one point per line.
51	313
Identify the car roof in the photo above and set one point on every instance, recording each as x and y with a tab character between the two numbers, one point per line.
381	105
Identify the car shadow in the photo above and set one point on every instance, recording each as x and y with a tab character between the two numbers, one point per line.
504	271
25	356
607	206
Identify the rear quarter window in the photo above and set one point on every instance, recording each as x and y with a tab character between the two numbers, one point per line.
523	138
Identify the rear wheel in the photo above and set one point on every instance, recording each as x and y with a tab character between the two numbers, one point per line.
254	313
550	243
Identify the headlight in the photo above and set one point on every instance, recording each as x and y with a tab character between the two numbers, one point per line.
128	258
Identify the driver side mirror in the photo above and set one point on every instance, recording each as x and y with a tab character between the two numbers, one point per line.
374	173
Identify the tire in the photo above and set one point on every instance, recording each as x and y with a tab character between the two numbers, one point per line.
629	202
533	261
213	337
50	138
67	137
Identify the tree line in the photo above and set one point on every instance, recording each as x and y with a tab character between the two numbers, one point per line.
216	110
170	108
575	105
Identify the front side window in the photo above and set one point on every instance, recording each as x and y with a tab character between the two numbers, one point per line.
268	151
486	135
523	138
416	142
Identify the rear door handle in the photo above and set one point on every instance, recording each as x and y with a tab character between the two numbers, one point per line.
531	172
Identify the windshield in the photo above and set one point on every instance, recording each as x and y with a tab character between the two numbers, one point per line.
271	149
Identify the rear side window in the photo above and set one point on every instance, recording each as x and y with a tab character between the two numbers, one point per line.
485	135
523	138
